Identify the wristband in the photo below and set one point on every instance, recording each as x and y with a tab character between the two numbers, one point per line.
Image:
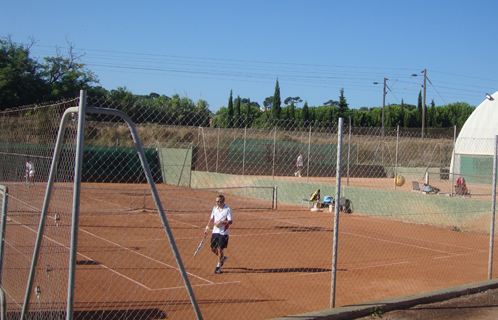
207	227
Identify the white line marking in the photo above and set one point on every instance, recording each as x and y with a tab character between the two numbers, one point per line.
142	255
382	265
86	257
368	267
198	285
396	242
458	255
108	268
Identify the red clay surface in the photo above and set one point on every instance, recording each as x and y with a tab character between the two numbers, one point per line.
279	260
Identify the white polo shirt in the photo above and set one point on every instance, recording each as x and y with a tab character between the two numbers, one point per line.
223	214
300	161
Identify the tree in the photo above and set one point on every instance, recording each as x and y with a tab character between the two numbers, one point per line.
432	115
276	108
342	108
419	109
292	110
203	113
21	82
25	81
306	113
230	110
65	76
248	113
268	103
331	103
236	111
292	99
402	113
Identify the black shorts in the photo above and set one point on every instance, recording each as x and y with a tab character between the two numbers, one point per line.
219	241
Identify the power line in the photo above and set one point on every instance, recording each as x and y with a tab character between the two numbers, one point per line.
302	74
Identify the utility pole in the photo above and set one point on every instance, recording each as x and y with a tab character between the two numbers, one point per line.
423	102
383	105
384	92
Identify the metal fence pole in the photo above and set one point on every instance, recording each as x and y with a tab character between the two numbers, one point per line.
493	207
274	152
205	151
396	160
218	150
454	161
309	152
76	204
336	216
349	151
244	152
4	193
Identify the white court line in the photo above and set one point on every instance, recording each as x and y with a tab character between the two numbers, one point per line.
112	270
114	204
82	255
295	223
260	234
369	267
459	255
144	256
26	204
198	285
396	242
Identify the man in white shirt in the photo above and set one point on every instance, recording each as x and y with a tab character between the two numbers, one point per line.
30	172
222	219
299	165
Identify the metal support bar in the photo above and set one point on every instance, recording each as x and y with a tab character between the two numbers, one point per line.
493	207
76	204
336	216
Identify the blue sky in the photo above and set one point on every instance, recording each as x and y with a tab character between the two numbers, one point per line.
204	49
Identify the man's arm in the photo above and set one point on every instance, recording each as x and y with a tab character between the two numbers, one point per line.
223	223
207	226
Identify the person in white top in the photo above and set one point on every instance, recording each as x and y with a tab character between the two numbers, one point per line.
30	171
299	165
221	215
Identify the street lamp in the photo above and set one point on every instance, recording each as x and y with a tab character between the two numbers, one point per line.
423	102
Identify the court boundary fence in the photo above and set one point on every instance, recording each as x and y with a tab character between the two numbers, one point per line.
82	110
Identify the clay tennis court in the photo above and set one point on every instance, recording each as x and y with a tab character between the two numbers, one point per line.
279	260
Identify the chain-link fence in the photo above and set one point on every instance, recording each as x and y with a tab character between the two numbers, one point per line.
415	216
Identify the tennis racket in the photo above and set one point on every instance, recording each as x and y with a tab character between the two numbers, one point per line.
200	244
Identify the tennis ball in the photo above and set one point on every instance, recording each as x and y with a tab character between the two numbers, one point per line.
399	180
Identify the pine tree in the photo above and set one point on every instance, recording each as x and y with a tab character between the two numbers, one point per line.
230	111
432	116
276	107
306	114
419	108
248	113
236	111
292	111
402	114
343	108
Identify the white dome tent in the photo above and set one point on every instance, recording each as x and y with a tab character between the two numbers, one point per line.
475	145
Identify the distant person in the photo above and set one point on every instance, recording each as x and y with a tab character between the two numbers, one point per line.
30	172
222	219
299	165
